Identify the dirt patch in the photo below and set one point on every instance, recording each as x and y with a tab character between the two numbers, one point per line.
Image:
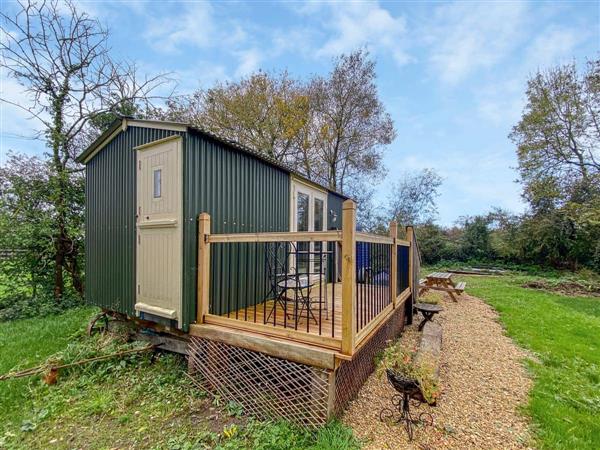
570	288
483	385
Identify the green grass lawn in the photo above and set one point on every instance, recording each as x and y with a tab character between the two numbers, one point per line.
123	403
26	343
134	403
564	335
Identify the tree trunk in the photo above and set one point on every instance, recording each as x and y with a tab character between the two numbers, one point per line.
73	268
59	260
59	186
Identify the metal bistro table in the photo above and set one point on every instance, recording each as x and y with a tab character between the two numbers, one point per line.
301	287
428	310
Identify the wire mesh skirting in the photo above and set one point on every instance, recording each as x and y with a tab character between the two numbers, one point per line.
266	387
274	388
351	375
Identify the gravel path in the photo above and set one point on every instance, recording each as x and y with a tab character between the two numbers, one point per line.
483	385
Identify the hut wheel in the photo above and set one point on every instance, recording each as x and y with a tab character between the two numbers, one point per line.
99	324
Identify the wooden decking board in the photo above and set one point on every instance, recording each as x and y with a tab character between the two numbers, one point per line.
331	326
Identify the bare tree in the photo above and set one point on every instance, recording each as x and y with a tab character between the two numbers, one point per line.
61	57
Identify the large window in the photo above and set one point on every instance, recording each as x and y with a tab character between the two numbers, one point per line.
302	212
302	222
318	222
309	214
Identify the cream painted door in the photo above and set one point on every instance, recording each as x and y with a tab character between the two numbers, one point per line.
159	228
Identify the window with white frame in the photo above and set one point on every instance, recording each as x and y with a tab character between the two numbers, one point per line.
308	213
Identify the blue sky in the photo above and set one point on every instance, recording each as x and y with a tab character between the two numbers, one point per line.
451	74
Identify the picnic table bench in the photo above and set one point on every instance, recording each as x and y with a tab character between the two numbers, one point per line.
441	281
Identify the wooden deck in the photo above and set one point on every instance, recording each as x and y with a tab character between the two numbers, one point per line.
328	322
322	350
331	320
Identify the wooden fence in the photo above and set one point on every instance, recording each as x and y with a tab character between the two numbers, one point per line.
350	302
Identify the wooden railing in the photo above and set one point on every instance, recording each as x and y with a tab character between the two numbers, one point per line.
369	286
378	280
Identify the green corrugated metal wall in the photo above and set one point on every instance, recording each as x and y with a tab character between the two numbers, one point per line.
334	211
242	194
110	221
239	191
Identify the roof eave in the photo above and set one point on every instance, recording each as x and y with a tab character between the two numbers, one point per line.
106	136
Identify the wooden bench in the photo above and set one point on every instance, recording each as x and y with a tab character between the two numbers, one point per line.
460	287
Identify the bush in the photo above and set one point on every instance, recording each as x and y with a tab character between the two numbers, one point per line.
21	305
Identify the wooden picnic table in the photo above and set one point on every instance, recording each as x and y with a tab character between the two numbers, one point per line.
441	281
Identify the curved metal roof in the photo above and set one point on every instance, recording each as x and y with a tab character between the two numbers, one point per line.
121	124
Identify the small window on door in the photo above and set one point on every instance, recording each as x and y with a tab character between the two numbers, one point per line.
157	183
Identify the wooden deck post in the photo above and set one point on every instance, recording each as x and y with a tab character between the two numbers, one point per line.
394	263
410	236
348	277
203	297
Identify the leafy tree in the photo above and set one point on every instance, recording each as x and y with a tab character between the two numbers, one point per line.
476	238
61	58
262	111
432	242
330	128
412	199
558	147
350	124
26	232
558	136
505	235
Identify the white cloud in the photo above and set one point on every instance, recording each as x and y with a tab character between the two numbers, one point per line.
358	24
248	61
464	37
203	74
14	120
553	45
17	128
501	101
194	26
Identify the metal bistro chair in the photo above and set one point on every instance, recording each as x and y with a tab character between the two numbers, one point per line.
278	272
322	299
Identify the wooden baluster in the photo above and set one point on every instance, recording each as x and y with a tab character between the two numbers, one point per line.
411	276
